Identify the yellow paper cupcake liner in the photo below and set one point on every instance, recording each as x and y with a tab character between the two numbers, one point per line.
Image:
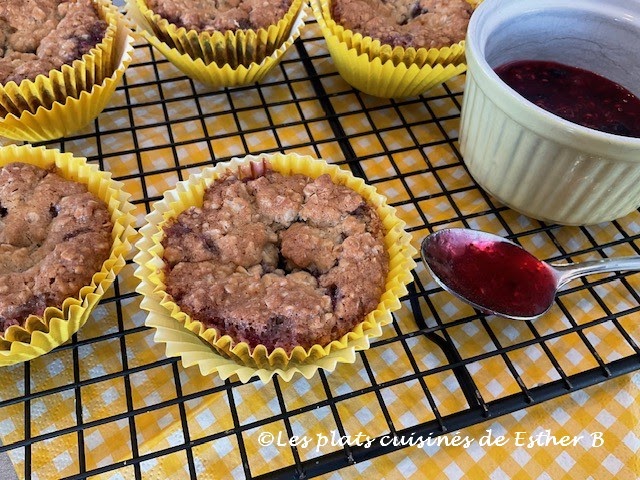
382	70
222	350
73	113
41	334
183	343
69	80
211	61
234	48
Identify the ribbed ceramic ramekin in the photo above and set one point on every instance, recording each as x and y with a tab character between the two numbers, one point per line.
532	160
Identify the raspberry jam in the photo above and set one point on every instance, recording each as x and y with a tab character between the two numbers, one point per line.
496	276
575	94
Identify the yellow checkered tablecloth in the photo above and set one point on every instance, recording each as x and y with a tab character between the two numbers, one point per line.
111	405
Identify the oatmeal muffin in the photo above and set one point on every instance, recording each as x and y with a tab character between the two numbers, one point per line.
60	61
395	48
221	15
280	261
293	234
54	235
405	23
224	43
37	36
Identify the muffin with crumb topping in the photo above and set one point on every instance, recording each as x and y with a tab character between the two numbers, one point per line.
207	16
54	50
395	48
60	62
54	236
51	34
65	229
226	34
406	23
280	263
279	260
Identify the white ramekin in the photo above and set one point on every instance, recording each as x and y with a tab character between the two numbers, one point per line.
532	160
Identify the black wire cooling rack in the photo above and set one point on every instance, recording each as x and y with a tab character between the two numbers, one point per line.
408	150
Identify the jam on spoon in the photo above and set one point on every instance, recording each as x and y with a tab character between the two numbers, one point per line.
575	94
499	277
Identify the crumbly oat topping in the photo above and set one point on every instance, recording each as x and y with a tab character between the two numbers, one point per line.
279	260
54	235
221	15
405	23
37	36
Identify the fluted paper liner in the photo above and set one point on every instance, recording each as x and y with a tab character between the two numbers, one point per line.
220	352
383	70
71	98
231	47
181	342
220	59
40	334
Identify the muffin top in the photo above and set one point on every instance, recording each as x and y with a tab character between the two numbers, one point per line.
279	260
405	23
221	15
54	235
37	36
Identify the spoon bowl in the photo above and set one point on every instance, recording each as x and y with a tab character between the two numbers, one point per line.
498	277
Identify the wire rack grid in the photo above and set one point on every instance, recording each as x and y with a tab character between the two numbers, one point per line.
454	366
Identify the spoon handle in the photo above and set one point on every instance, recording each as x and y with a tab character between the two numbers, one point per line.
571	271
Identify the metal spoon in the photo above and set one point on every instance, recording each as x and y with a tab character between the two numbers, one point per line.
499	277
